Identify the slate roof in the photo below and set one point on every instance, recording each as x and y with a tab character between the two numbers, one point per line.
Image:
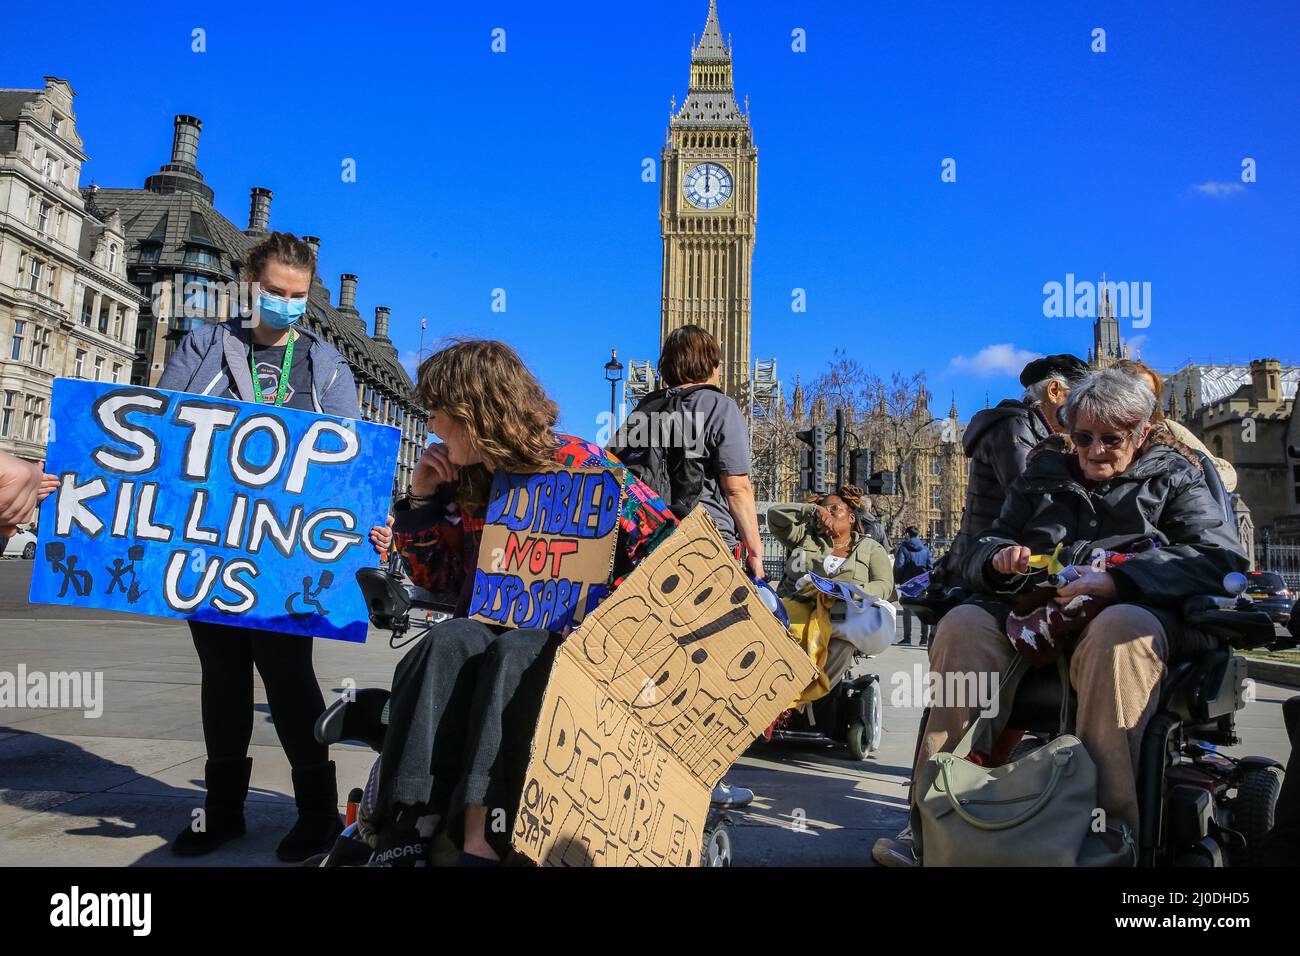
11	105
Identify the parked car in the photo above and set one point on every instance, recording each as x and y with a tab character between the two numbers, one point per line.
22	544
1270	593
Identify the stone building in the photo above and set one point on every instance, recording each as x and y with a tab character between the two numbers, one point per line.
708	210
1107	346
188	259
1246	414
66	306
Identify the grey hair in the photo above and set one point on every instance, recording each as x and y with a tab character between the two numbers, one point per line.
1114	397
1035	393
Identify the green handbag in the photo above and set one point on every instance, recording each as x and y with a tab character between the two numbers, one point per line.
1036	811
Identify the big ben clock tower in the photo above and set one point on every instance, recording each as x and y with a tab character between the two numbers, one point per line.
708	206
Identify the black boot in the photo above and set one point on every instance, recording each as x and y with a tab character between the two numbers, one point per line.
317	795
223	808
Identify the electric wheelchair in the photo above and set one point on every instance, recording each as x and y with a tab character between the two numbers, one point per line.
1197	807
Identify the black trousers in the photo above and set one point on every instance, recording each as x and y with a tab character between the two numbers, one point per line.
464	708
924	636
227	656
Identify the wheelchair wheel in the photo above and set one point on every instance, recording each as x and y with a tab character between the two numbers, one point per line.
717	846
864	735
1252	811
859	744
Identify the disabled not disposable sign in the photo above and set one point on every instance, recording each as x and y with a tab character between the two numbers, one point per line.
210	509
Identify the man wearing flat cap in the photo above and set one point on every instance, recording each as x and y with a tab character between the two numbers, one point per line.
999	439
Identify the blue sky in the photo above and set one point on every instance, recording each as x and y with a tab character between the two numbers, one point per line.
522	170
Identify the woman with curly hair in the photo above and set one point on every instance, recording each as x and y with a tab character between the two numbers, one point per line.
829	537
465	699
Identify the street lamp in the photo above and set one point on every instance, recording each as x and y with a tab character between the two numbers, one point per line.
613	375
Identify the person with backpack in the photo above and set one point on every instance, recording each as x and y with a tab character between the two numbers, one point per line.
913	558
690	442
276	360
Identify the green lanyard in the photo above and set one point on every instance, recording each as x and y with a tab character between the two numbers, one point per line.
284	371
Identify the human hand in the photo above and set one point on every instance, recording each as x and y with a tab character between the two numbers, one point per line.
20	483
382	537
755	564
433	469
49	485
1013	559
1095	584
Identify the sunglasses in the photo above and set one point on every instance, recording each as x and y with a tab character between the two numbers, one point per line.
1111	441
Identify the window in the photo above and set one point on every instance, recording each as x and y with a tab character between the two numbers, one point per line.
16	349
150	252
78	366
43	218
7	419
32	418
99	367
112	257
936	466
34	275
198	256
40	347
103	318
117	372
87	308
936	497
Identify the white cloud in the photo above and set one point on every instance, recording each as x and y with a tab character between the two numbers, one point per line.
1219	190
1002	359
1135	345
410	361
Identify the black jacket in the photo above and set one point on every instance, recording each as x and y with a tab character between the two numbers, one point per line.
997	441
1162	496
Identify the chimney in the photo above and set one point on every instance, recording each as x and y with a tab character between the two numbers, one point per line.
185	141
314	242
181	173
259	210
381	323
347	292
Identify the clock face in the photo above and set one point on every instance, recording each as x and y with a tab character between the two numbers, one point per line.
708	186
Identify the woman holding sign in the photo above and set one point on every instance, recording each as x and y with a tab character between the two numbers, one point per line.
274	361
466	698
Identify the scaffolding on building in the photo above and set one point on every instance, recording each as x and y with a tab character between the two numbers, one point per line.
767	436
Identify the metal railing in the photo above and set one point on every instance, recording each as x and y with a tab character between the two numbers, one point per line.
1282	558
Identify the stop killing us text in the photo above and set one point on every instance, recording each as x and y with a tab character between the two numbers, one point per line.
229	501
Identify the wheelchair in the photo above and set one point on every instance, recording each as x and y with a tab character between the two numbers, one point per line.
1196	806
395	605
850	716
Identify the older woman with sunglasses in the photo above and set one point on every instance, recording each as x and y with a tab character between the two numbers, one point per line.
1110	482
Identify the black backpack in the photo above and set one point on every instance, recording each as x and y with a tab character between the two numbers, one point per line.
651	442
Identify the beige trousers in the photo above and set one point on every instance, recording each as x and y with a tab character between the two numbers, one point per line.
1116	670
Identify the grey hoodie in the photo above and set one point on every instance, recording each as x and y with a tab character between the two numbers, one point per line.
213	358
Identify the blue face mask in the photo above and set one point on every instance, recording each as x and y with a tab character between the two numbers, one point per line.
280	313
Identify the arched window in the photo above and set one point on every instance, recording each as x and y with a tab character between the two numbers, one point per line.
112	256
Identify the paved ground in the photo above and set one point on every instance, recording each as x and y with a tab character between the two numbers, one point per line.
114	790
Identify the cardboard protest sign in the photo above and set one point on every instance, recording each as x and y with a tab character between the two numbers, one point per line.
548	546
210	509
649	703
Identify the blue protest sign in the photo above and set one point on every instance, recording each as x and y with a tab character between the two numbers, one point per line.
547	547
210	509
